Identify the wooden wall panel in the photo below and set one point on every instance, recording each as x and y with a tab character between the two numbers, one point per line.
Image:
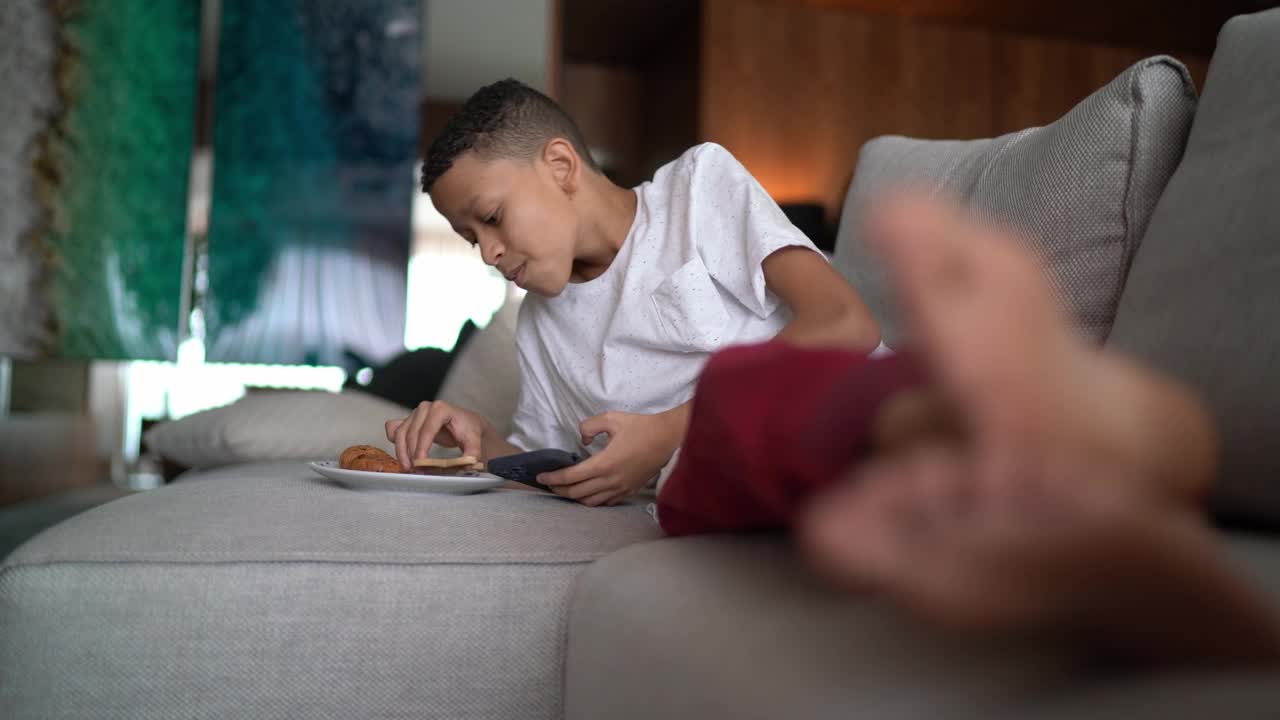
606	102
1185	26
1039	79
794	91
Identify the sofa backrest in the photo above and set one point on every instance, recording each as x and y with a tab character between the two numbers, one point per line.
1202	299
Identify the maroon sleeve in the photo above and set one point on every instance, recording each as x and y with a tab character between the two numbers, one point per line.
770	425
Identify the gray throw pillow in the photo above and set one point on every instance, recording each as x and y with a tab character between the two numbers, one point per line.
1203	297
270	426
1082	187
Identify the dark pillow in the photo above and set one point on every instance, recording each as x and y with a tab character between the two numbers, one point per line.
414	376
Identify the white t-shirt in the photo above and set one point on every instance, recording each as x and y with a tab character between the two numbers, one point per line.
686	282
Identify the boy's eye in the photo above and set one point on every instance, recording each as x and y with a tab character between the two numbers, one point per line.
492	219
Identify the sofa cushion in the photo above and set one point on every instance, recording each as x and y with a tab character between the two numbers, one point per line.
266	591
1082	187
734	627
1202	300
267	425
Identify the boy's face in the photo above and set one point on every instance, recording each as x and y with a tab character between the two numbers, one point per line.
518	213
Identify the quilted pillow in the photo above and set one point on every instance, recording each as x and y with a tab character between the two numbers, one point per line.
1082	187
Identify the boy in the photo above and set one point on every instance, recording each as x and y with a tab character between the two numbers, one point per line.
630	291
1009	479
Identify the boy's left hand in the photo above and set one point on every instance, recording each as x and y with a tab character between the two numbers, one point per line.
639	445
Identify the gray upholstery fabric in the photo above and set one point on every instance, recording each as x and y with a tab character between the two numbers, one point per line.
733	627
1189	695
1203	297
264	591
1082	187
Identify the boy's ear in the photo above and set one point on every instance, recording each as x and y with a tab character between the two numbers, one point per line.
565	164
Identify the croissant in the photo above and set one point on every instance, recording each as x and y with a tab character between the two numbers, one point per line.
368	457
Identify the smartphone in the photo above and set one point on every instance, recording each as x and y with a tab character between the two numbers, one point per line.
525	467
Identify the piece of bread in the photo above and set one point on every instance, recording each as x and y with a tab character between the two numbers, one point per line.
455	470
467	461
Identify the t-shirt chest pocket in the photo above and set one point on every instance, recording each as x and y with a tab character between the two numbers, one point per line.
691	314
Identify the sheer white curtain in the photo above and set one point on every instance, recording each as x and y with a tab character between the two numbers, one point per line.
448	282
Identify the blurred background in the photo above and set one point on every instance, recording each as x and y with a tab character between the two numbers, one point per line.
201	198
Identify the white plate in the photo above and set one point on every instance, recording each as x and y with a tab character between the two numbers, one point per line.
467	481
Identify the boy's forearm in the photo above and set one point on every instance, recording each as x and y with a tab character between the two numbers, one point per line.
494	445
678	423
826	309
845	328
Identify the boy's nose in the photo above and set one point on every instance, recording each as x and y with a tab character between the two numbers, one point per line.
491	254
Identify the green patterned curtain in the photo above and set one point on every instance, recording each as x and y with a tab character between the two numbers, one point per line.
94	161
315	134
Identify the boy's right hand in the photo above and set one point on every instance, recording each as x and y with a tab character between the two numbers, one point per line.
439	422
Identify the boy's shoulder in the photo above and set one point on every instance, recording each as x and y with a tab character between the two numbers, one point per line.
703	161
704	153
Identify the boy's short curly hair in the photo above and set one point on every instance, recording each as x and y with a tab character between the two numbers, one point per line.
506	119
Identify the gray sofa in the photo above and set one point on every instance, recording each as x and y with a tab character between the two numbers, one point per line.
258	590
